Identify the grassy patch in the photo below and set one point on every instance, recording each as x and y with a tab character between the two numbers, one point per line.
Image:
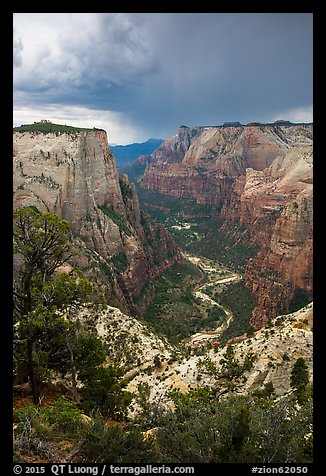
185	237
167	209
62	417
203	236
217	247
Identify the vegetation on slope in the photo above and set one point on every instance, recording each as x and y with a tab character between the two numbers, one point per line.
172	311
230	252
119	220
167	209
237	429
48	127
202	428
242	302
201	234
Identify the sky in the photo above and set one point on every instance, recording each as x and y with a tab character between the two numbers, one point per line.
142	75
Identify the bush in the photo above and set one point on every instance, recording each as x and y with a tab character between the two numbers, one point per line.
104	390
300	378
157	362
236	430
112	444
64	415
61	418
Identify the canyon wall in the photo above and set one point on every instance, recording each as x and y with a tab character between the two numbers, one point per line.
74	175
273	208
261	177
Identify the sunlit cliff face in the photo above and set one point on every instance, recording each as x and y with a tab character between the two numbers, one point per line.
75	176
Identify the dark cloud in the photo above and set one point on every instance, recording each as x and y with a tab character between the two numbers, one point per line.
161	70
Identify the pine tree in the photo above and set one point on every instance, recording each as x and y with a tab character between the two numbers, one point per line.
300	378
41	243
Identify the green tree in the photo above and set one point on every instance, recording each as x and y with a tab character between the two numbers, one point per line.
53	328
281	431
150	410
42	243
104	389
230	373
71	345
268	391
157	362
236	429
300	378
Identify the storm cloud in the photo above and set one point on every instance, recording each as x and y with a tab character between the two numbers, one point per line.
144	74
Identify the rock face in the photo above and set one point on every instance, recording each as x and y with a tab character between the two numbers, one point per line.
74	175
261	177
194	164
275	208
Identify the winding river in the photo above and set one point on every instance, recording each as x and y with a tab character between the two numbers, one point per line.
217	274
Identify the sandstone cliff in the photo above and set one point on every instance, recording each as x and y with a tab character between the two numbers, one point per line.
273	208
261	177
74	175
194	164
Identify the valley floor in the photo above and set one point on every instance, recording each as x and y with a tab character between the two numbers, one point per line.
216	274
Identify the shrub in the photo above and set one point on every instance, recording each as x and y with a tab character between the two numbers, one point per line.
104	390
112	444
236	430
64	415
157	362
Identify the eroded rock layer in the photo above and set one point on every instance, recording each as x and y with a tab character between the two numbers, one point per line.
74	175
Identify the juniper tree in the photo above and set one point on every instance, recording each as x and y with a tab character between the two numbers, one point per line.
42	242
300	378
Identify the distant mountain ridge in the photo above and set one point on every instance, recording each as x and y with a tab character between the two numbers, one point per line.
127	153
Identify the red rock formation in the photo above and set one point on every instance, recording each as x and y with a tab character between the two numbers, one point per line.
195	164
275	208
262	175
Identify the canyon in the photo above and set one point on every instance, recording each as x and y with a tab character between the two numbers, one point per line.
173	317
74	175
260	178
